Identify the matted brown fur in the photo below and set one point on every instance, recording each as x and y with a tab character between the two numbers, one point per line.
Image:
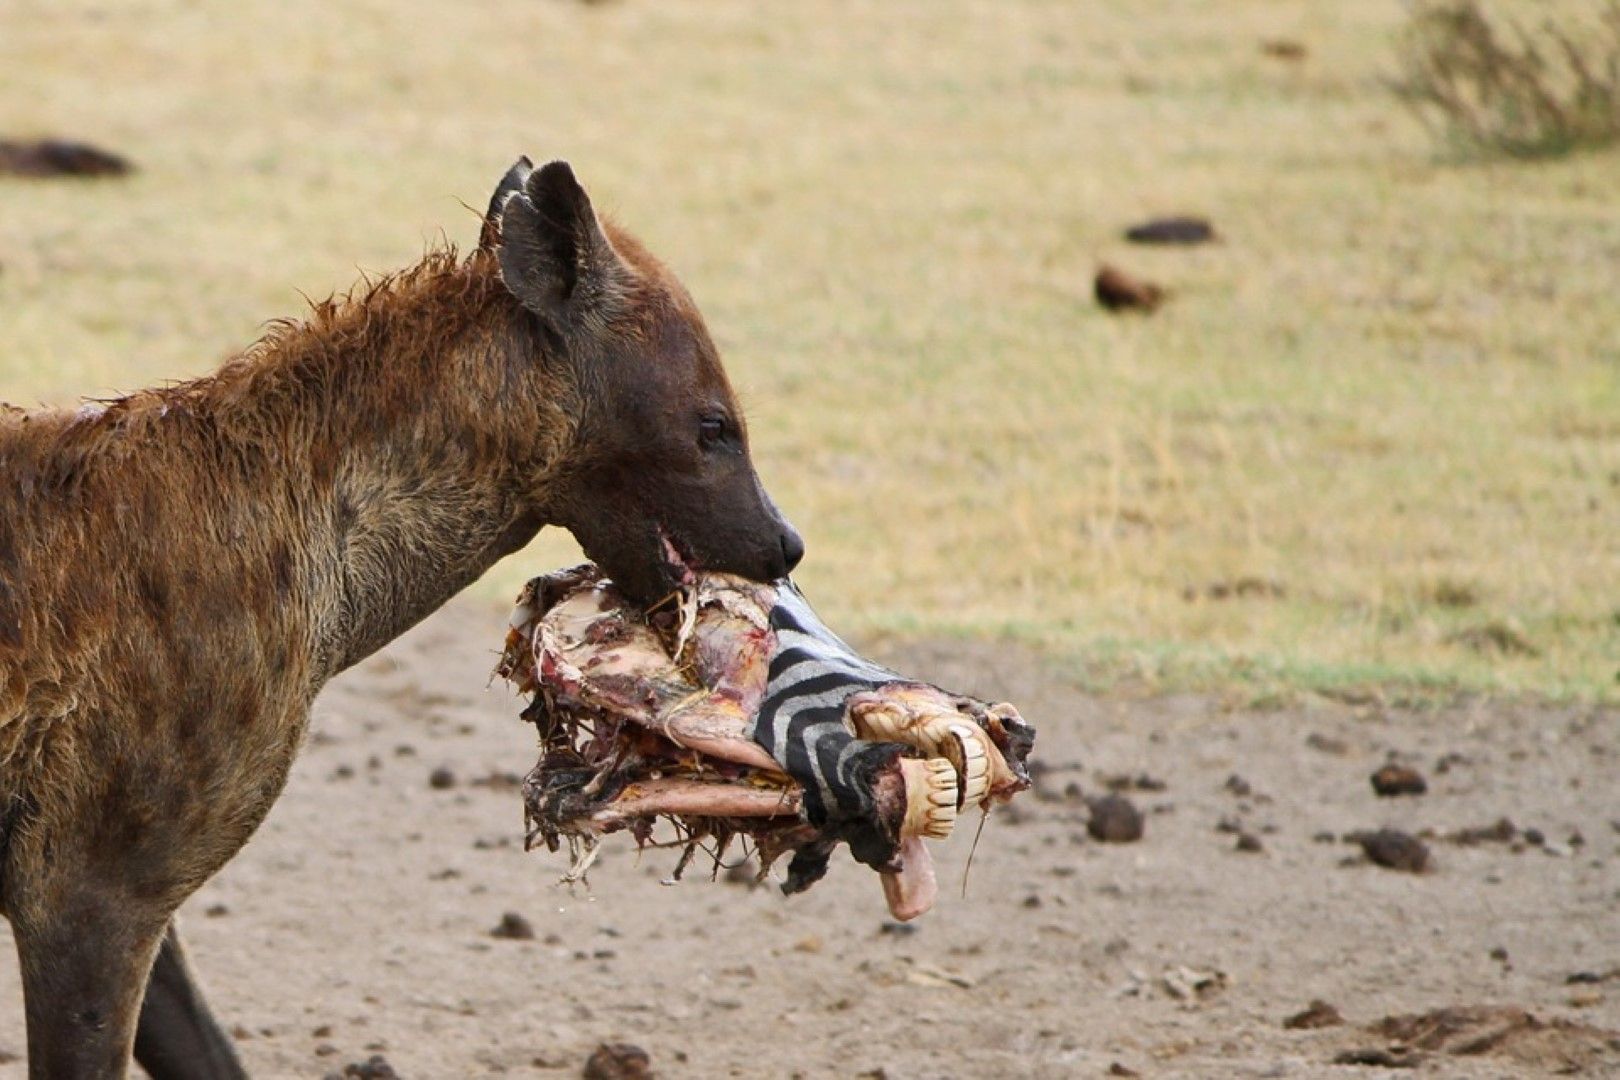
182	569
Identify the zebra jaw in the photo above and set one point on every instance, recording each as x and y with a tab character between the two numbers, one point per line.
966	746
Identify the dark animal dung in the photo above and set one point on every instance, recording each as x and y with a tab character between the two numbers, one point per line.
45	158
1114	820
1117	290
1318	1014
1180	229
1394	850
618	1061
1393	780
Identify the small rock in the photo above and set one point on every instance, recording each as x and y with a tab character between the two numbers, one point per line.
1318	1014
1535	837
1394	850
1114	820
513	927
1122	782
1239	786
811	944
1379	1058
1502	832
374	1067
441	778
322	1032
1186	984
325	1049
1249	842
1177	229
1327	744
216	911
618	1061
1117	290
1116	1069
898	929
1393	780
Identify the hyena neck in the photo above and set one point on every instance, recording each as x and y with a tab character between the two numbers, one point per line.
421	460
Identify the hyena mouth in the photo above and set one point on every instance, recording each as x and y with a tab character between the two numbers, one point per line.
677	560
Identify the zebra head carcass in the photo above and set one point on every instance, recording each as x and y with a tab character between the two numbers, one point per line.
738	713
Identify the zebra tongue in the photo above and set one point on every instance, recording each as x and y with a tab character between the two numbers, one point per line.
911	890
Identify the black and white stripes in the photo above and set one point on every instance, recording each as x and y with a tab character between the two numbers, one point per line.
801	720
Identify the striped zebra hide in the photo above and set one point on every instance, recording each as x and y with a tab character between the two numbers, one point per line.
737	713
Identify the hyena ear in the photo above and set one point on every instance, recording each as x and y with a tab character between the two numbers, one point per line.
511	182
555	258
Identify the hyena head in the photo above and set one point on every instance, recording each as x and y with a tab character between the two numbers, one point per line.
659	482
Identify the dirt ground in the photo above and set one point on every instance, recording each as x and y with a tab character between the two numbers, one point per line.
359	920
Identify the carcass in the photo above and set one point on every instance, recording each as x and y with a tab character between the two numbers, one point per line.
737	712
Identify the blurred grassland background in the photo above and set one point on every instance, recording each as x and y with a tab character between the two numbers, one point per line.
1373	439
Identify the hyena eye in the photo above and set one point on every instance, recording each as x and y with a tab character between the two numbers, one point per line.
711	430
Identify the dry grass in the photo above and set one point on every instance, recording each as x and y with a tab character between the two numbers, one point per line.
1490	84
1394	386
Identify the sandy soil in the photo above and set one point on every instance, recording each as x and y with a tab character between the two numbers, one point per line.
359	920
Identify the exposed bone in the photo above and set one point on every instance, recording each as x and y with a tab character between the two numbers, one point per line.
696	798
646	720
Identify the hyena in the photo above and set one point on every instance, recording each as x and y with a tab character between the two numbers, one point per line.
182	570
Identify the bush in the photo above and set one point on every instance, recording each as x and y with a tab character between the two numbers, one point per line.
1501	88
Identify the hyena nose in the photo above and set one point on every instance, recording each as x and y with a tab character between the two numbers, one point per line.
792	548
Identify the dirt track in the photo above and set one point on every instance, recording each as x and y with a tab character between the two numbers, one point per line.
358	921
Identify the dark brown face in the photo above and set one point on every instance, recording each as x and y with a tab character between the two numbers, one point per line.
660	484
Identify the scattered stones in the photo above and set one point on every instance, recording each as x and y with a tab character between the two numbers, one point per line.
49	158
1117	290
1393	780
1394	1058
1114	820
1503	831
1394	850
1537	1047
618	1061
1123	782
375	1067
513	927
1176	229
442	778
1318	1014
1187	984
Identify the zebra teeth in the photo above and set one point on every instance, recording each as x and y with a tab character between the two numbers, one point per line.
931	791
972	762
937	735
